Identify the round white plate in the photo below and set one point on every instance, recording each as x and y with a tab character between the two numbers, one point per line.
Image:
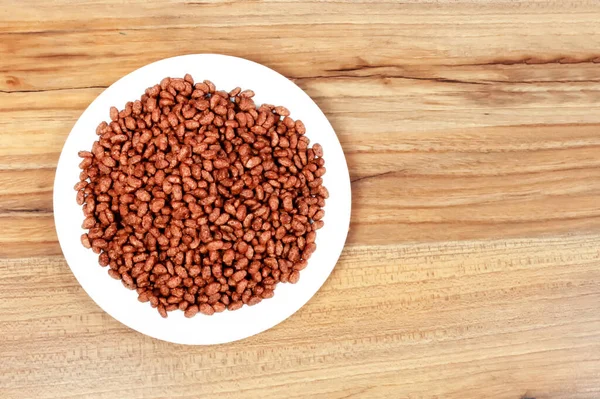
226	73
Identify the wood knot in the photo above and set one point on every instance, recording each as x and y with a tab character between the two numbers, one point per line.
13	81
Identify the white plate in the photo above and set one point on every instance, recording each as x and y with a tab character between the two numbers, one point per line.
122	304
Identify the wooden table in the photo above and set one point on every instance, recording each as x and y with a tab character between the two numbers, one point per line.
472	132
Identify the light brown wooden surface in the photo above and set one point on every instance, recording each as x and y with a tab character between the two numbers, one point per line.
472	132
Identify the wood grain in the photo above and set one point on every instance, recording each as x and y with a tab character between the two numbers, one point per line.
471	129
